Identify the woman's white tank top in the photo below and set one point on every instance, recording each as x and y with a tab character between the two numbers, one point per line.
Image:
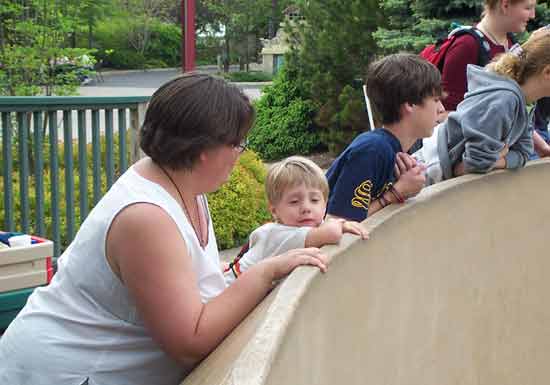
84	325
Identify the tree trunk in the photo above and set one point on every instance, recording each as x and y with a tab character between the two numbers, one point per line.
226	56
273	20
90	33
2	35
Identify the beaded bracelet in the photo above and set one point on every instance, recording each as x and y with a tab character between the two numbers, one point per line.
397	194
383	202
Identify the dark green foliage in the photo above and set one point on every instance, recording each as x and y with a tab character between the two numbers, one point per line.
414	24
284	123
162	50
250	76
331	51
349	112
33	43
240	205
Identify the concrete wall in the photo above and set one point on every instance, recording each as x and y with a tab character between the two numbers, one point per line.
451	288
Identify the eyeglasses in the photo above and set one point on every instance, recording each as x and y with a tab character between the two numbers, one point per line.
241	146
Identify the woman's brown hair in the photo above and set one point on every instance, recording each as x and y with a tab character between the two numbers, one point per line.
191	114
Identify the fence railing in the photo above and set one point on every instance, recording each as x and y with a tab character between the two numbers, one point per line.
59	156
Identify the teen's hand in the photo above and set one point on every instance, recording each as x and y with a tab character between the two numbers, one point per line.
458	169
411	182
280	266
403	163
501	161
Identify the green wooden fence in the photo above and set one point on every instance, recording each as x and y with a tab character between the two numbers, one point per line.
41	138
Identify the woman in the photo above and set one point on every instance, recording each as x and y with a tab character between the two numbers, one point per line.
138	295
490	128
499	19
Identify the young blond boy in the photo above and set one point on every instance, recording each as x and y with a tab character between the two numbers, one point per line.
297	193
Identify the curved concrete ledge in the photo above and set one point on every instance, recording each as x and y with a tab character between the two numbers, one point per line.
451	288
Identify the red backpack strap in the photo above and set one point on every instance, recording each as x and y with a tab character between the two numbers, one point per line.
234	265
435	53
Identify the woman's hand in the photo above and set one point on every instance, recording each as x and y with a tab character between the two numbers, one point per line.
280	266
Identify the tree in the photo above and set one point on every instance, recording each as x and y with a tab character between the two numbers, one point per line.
243	23
412	24
331	50
89	12
32	45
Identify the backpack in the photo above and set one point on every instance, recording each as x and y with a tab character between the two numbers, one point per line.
435	53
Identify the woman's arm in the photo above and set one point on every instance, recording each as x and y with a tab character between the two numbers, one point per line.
154	265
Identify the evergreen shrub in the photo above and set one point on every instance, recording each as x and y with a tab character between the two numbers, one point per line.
284	121
240	205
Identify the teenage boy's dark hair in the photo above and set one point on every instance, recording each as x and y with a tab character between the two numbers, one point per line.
397	79
190	114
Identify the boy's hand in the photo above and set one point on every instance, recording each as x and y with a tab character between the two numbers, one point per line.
411	182
403	163
353	227
331	230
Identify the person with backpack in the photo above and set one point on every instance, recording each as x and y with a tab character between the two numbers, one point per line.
491	127
480	44
492	36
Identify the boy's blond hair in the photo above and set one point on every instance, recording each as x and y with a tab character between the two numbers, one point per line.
291	172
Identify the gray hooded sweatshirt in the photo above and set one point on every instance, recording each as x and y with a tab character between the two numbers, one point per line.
493	114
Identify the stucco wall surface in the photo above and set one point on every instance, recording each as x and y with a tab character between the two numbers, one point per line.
451	288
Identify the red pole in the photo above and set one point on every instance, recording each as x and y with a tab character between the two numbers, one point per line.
188	30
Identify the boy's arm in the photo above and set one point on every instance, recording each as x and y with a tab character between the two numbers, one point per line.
365	172
330	232
267	241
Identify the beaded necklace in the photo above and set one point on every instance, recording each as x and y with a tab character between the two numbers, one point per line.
198	232
494	39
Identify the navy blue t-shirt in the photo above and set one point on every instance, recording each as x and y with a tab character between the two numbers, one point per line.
361	173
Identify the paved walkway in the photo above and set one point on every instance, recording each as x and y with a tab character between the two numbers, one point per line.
145	83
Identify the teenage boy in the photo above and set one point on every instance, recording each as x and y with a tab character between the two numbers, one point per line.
374	170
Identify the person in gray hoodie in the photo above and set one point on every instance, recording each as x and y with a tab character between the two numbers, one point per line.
490	128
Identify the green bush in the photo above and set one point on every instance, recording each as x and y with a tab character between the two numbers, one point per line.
163	49
284	123
124	59
250	76
240	205
165	46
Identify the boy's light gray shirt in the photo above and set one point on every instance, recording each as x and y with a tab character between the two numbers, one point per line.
493	114
269	240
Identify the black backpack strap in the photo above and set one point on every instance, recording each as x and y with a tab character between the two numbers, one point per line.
484	47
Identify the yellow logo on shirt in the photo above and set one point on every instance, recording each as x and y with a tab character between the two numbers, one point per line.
362	195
